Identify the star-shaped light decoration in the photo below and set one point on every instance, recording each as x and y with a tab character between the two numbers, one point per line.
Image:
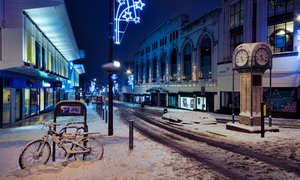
127	16
121	2
136	20
127	11
139	4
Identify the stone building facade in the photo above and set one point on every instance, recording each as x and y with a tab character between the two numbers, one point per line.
188	65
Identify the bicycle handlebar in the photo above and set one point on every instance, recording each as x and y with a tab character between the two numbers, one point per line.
51	124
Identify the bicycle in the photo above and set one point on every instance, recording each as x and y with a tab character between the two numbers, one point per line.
38	152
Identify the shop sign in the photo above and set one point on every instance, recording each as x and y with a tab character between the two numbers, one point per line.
46	84
70	110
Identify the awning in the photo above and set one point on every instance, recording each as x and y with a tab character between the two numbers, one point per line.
55	24
157	90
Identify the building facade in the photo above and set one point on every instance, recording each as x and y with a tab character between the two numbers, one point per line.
188	65
37	47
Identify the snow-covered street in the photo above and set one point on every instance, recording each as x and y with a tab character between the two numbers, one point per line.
148	159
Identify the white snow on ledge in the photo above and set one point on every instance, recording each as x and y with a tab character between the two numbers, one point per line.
190	117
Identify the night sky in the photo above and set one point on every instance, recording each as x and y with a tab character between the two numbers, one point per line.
89	19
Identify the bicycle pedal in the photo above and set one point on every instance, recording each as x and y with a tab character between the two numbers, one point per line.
64	163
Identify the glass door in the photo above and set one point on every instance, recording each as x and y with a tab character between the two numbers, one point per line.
18	104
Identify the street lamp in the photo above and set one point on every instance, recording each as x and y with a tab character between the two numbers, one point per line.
110	67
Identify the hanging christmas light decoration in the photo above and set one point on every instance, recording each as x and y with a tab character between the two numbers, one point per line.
127	11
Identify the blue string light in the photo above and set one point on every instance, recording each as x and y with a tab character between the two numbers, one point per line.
126	12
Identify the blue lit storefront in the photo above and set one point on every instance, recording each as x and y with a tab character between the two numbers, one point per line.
26	97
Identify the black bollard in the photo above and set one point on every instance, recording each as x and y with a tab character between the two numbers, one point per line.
131	134
262	118
105	116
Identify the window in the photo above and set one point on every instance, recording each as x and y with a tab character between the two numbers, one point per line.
279	7
187	62
237	14
136	72
205	62
142	71
226	99
30	49
38	55
154	71
173	72
283	99
280	36
163	67
235	40
147	71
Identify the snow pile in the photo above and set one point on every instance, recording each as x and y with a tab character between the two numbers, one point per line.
190	117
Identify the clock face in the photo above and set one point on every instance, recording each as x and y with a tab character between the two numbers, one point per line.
241	57
262	56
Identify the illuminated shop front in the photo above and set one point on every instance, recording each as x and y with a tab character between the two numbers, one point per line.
32	74
173	100
187	103
26	95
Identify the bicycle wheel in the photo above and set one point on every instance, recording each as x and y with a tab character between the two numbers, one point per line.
33	154
95	147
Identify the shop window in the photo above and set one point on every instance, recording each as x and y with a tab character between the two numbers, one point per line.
187	103
280	36
283	99
226	99
205	61
237	14
173	101
173	72
42	99
187	62
201	103
34	101
27	102
6	106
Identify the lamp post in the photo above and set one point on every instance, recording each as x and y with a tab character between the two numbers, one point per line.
110	68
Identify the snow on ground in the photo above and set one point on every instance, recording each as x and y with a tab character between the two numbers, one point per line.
148	159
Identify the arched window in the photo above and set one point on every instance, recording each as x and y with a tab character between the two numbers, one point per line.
147	71
154	71
142	71
163	67
173	70
205	61
187	62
